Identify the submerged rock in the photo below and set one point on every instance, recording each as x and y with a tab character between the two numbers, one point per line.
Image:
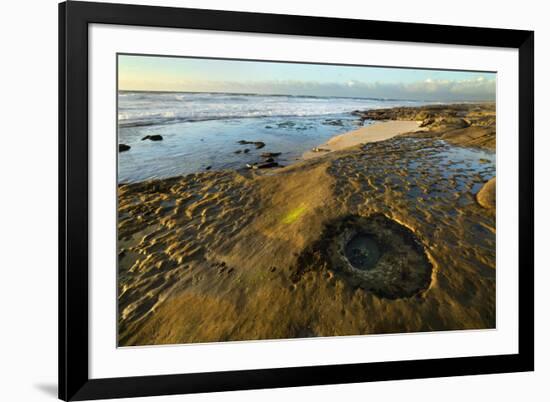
334	122
286	124
123	147
257	144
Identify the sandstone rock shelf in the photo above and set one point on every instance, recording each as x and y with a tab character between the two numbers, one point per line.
270	253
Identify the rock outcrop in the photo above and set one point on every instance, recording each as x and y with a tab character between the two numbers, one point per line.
466	124
486	196
154	137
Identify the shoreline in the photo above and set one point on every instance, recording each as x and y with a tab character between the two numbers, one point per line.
235	255
377	131
193	151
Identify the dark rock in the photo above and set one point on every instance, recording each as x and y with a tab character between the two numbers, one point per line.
123	147
246	150
208	168
269	160
265	165
454	122
440	118
427	122
155	137
270	154
238	151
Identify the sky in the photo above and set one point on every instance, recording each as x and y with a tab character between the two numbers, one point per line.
154	73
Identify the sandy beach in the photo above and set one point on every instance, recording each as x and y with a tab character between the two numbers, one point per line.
378	131
384	233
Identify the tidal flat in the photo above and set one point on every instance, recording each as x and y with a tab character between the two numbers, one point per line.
393	235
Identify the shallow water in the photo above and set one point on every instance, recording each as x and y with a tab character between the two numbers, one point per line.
201	130
191	147
428	183
362	251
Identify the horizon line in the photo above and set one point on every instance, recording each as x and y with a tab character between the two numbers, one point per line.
300	96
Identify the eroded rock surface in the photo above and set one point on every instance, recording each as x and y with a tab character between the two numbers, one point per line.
219	256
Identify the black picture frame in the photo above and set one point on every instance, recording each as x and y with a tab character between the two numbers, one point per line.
74	18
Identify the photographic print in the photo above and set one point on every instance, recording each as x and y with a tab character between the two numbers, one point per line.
273	200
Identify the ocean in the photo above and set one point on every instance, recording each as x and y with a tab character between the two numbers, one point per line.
201	130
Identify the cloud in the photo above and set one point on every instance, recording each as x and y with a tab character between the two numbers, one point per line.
478	88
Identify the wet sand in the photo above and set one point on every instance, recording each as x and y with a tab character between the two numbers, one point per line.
382	237
378	131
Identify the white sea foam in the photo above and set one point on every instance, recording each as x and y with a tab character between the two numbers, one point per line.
152	108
